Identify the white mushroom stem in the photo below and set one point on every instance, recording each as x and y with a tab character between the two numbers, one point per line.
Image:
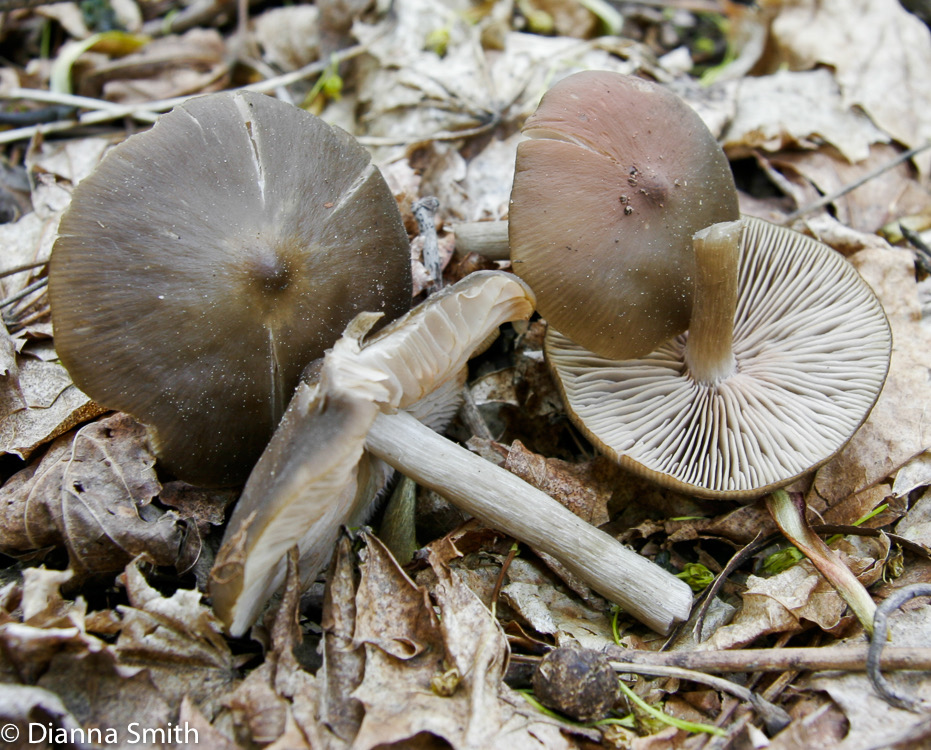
709	351
488	238
507	503
789	515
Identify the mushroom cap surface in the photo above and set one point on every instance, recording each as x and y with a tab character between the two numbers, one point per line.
208	260
812	347
617	175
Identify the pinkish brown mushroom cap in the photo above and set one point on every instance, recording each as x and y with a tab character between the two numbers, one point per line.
617	175
208	260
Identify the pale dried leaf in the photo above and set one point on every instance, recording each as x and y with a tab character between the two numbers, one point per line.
41	591
797	110
550	611
343	662
23	705
52	407
916	526
880	54
289	36
780	604
91	493
69	161
12	397
884	198
193	63
177	640
913	475
462	650
873	722
897	429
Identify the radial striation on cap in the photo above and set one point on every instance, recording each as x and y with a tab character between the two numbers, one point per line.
208	260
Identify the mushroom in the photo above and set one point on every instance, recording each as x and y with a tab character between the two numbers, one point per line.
365	403
206	261
786	351
616	177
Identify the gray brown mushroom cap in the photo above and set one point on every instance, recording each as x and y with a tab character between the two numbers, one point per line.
811	346
616	177
208	260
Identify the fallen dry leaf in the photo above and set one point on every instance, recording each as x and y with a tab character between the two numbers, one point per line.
803	109
878	51
52	406
91	493
897	429
780	604
873	722
584	488
886	197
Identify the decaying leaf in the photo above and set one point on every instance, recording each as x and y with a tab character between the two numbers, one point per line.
52	405
91	493
878	51
289	36
873	722
539	603
797	109
438	672
193	63
582	488
897	429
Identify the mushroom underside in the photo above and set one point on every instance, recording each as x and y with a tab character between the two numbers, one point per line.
811	344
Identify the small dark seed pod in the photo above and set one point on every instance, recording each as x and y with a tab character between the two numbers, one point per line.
579	683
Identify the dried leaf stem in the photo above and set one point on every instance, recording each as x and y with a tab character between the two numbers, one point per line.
878	641
845	658
831	197
107	111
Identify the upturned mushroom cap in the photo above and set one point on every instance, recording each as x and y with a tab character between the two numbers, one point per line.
208	260
617	175
315	474
811	344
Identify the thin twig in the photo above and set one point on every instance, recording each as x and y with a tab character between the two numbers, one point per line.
71	100
472	417
880	628
831	197
711	592
776	718
424	211
499	582
108	112
34	286
846	658
20	269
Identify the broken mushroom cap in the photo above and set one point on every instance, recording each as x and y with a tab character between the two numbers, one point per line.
315	474
369	403
809	355
208	260
616	176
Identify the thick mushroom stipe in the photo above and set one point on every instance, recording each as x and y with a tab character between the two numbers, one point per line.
208	260
811	344
370	400
617	176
